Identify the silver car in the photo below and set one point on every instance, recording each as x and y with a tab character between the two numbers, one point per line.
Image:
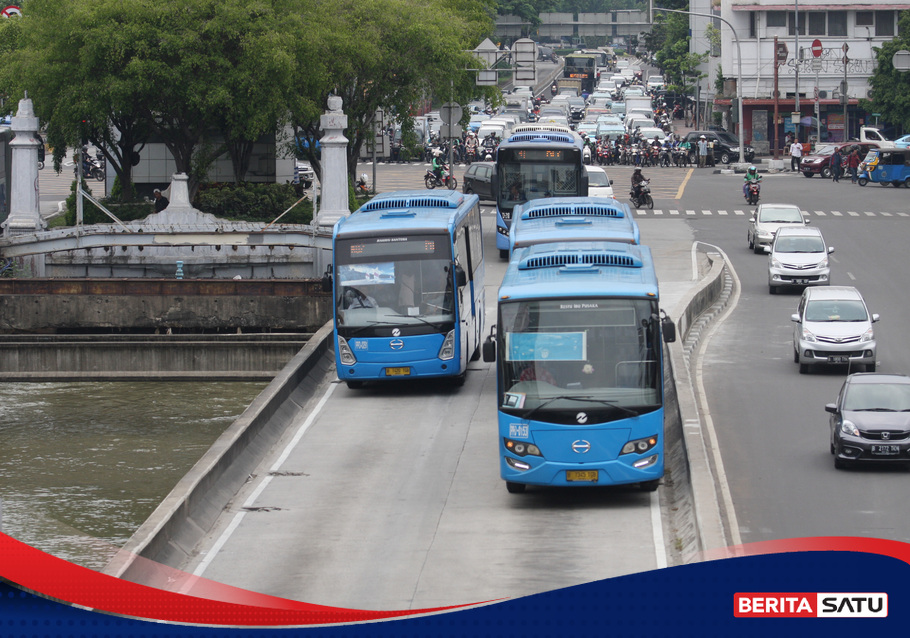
833	327
767	219
798	257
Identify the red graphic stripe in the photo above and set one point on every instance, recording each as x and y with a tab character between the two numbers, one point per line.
222	605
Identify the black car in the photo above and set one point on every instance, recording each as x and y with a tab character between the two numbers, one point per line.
871	419
478	179
726	147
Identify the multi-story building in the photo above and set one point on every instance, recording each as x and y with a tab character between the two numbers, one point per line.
830	48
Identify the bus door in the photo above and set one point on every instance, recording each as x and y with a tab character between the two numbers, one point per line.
464	281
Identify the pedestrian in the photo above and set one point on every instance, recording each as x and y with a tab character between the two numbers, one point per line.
796	152
161	202
702	151
853	163
836	160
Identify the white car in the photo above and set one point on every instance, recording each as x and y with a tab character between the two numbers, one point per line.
768	219
655	82
833	327
599	185
798	257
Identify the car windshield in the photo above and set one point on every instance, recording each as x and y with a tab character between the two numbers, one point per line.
729	139
597	178
780	216
836	310
809	244
824	150
878	397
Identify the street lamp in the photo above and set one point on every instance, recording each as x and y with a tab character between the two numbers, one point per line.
739	75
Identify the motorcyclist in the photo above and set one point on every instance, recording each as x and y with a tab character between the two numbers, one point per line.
438	165
752	177
470	145
637	179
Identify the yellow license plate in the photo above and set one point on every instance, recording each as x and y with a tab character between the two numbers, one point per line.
397	372
589	476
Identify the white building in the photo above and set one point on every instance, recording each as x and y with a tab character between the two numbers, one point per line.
834	43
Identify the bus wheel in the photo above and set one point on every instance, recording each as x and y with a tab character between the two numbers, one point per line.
650	486
515	488
475	356
354	385
459	380
503	253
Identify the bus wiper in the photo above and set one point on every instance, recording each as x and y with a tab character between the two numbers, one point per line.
418	317
583	398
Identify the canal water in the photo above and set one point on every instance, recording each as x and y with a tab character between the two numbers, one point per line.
82	465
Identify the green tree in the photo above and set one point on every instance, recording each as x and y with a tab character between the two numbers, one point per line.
390	54
890	87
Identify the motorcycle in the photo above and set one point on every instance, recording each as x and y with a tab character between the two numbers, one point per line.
92	166
361	187
586	154
447	181
752	193
643	200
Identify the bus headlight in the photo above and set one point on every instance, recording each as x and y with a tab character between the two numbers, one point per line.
521	448
447	351
345	354
639	446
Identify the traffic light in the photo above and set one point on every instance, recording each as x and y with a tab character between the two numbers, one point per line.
83	131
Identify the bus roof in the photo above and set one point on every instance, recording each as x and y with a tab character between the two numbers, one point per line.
572	219
580	269
543	137
407	211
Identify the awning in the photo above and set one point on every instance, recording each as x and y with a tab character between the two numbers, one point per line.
786	103
819	7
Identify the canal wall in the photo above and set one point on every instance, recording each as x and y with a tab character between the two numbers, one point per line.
155	329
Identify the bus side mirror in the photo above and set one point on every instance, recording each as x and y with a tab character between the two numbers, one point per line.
461	278
489	346
668	328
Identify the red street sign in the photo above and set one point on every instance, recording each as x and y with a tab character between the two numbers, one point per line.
817	48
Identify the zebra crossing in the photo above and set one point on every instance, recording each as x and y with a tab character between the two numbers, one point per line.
673	212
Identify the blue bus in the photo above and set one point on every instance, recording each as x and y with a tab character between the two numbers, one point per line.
578	346
572	219
408	287
532	164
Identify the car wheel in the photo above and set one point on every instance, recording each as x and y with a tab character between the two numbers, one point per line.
807	174
826	172
772	289
725	158
515	488
907	183
751	243
795	357
804	368
840	464
862	181
468	190
870	367
757	248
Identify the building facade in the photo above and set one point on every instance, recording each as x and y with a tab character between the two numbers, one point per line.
824	56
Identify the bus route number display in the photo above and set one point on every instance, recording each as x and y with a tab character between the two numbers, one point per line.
539	155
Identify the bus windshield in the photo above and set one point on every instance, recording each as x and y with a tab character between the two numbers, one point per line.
560	356
522	178
394	281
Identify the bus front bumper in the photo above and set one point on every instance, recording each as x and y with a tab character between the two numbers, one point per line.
619	471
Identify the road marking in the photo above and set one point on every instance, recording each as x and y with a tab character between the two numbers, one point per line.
869	214
852	214
850	275
738	212
706	212
690	212
837	213
821	213
886	215
235	522
657	531
674	212
658	212
682	187
721	212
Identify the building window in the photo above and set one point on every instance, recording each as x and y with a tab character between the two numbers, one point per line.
884	23
753	30
777	19
865	18
791	22
817	23
837	23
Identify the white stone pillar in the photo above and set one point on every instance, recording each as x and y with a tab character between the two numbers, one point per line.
24	211
334	204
